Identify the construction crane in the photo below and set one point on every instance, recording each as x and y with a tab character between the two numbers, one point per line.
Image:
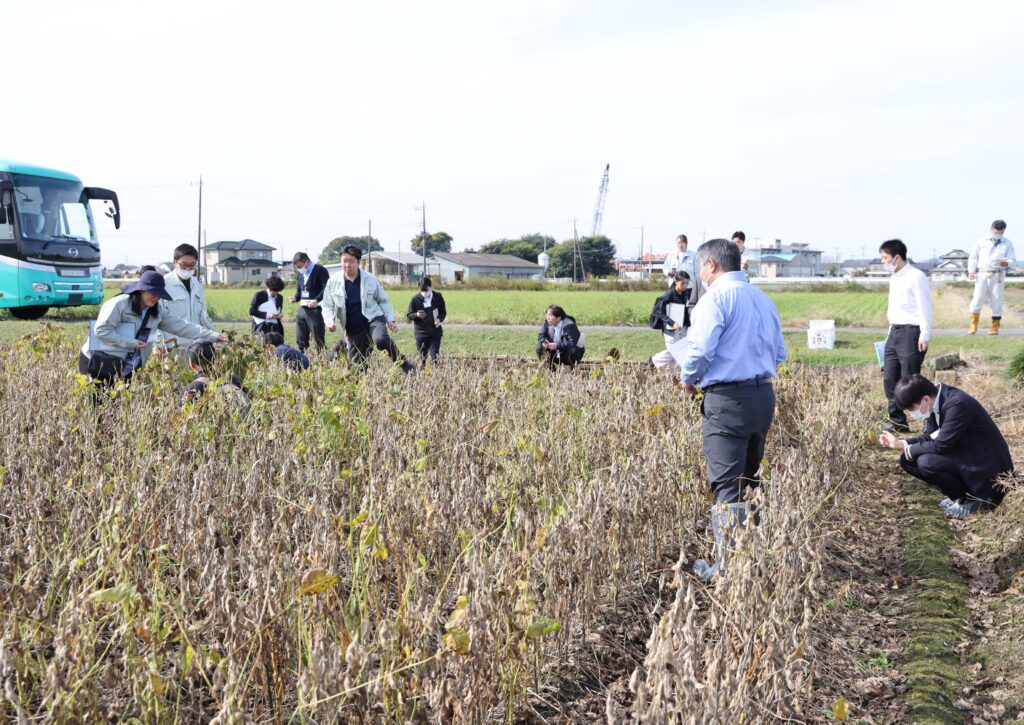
602	194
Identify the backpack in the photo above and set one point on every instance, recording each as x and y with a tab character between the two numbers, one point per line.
656	322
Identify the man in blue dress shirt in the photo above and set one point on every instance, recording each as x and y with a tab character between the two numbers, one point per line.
733	347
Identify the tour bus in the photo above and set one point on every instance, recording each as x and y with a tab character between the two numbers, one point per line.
49	252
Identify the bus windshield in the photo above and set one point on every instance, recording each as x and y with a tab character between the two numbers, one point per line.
53	210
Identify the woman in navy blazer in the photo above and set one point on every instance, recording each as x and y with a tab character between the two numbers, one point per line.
262	321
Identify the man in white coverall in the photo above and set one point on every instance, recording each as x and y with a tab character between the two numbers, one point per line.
987	265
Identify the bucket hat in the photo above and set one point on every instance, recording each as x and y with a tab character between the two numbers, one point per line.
152	282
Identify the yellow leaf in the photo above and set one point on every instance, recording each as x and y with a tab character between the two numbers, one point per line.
457	640
316	581
540	538
840	710
120	593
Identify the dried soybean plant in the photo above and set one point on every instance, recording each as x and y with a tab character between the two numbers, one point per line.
364	546
741	651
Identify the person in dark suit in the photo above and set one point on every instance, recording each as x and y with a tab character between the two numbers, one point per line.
312	279
427	312
961	453
263	321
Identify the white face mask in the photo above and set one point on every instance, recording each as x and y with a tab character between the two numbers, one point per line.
186	273
705	282
918	414
890	268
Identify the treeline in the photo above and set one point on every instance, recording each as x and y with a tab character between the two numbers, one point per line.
594	255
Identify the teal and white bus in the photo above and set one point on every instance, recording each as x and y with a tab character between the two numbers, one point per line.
49	251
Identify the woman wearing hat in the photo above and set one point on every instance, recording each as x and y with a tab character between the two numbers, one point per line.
118	343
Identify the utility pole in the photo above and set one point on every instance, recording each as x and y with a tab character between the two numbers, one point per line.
642	253
424	237
199	226
575	248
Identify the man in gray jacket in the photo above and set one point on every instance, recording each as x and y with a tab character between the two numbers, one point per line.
187	297
356	298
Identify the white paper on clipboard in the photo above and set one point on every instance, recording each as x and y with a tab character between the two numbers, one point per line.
268	308
125	329
676	312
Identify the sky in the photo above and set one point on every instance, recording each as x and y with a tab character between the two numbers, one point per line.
836	124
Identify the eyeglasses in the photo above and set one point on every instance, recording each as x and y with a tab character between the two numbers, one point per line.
183	265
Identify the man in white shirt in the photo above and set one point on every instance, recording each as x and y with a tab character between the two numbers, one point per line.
680	260
987	265
910	325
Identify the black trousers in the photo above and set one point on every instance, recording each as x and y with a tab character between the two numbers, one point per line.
309	320
562	357
102	368
902	358
942	473
428	345
375	335
735	419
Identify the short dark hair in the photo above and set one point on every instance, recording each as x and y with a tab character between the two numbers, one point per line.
911	389
739	235
201	354
185	250
556	311
275	283
999	225
894	248
679	276
425	283
146	268
725	253
352	251
683	237
273	338
300	257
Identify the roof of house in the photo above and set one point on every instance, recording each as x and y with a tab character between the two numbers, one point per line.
487	260
955	254
400	257
236	262
778	257
245	244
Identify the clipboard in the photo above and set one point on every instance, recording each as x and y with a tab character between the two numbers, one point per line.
676	312
125	329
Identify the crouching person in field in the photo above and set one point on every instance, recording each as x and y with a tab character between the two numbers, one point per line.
202	361
961	452
294	359
120	340
560	341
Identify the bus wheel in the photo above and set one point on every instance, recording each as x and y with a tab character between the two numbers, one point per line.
29	312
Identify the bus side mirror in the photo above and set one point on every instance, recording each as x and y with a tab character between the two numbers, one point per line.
93	192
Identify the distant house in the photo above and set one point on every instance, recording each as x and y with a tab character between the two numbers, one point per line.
645	266
774	259
461	267
394	267
951	266
244	261
165	267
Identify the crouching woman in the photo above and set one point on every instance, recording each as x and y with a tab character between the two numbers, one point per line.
120	340
560	341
